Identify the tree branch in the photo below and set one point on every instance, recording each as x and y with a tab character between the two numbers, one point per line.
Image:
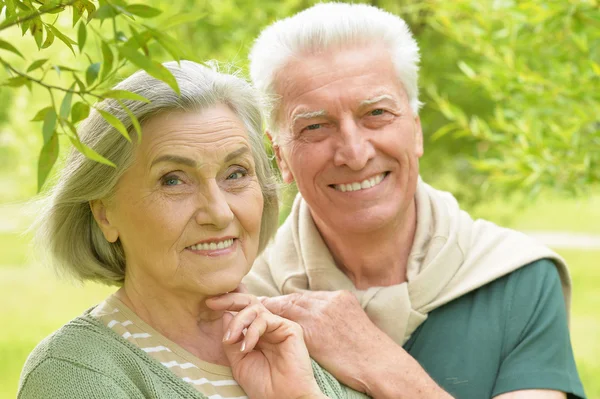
47	86
36	14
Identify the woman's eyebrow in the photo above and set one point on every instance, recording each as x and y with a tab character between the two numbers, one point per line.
178	159
175	159
236	153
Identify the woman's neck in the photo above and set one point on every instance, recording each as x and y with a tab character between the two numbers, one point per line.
182	319
379	261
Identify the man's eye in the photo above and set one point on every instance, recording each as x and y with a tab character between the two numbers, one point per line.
377	112
314	126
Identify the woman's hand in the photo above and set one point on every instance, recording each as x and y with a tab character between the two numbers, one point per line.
266	352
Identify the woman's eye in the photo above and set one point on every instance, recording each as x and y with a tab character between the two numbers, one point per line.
238	174
377	112
171	181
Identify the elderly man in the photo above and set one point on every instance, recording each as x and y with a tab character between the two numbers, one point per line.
399	292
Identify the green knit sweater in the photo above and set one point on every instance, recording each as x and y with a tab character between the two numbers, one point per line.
85	359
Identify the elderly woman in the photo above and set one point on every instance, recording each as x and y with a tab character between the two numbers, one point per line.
176	225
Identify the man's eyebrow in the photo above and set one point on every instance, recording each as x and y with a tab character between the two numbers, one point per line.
175	159
377	99
236	153
308	115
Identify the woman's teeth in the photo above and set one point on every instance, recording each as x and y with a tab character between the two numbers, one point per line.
211	246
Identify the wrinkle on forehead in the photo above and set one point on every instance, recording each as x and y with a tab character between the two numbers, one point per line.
211	132
306	82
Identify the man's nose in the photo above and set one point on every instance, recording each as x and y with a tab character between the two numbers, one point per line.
354	149
214	208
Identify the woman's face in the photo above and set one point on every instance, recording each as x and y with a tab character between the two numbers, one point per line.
188	211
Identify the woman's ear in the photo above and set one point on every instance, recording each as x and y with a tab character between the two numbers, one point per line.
99	211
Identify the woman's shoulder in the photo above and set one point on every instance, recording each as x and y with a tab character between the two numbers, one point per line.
81	340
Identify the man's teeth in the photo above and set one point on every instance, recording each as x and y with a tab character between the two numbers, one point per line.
211	246
367	183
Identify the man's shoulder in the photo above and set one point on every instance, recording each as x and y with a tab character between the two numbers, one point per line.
529	281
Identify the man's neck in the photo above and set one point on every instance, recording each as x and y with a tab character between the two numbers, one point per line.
378	259
185	321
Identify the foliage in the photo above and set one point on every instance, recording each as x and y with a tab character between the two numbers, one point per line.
510	87
524	96
129	41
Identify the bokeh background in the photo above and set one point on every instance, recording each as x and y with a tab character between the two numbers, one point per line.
511	93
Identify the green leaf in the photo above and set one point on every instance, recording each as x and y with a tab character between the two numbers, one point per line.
47	159
36	64
79	112
79	83
169	44
125	95
7	46
142	10
49	38
152	67
134	120
92	73
89	153
180	19
467	70
105	12
41	114
63	38
49	125
65	106
107	60
81	36
17	81
116	123
37	31
77	12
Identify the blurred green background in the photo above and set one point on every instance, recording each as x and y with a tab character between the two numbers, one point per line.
511	118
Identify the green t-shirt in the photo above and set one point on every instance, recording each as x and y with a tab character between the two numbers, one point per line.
509	335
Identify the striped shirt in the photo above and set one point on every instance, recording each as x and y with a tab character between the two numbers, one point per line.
212	380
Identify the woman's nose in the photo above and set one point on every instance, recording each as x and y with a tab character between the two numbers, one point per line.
214	208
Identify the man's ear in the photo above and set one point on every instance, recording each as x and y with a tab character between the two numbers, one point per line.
418	137
99	211
286	173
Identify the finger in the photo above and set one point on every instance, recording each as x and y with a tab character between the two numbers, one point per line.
232	350
242	321
233	302
287	306
255	330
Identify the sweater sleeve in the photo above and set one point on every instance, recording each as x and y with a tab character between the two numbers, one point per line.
59	379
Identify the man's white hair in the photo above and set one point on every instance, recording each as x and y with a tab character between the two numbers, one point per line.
327	27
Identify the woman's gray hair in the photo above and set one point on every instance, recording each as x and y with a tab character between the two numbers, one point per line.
66	227
327	27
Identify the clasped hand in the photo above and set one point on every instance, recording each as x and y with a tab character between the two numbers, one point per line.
266	352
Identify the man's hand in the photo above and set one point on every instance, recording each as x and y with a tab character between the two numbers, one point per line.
341	337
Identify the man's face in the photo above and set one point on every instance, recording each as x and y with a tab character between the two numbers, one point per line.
349	138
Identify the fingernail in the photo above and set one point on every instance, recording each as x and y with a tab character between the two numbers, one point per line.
243	346
227	335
